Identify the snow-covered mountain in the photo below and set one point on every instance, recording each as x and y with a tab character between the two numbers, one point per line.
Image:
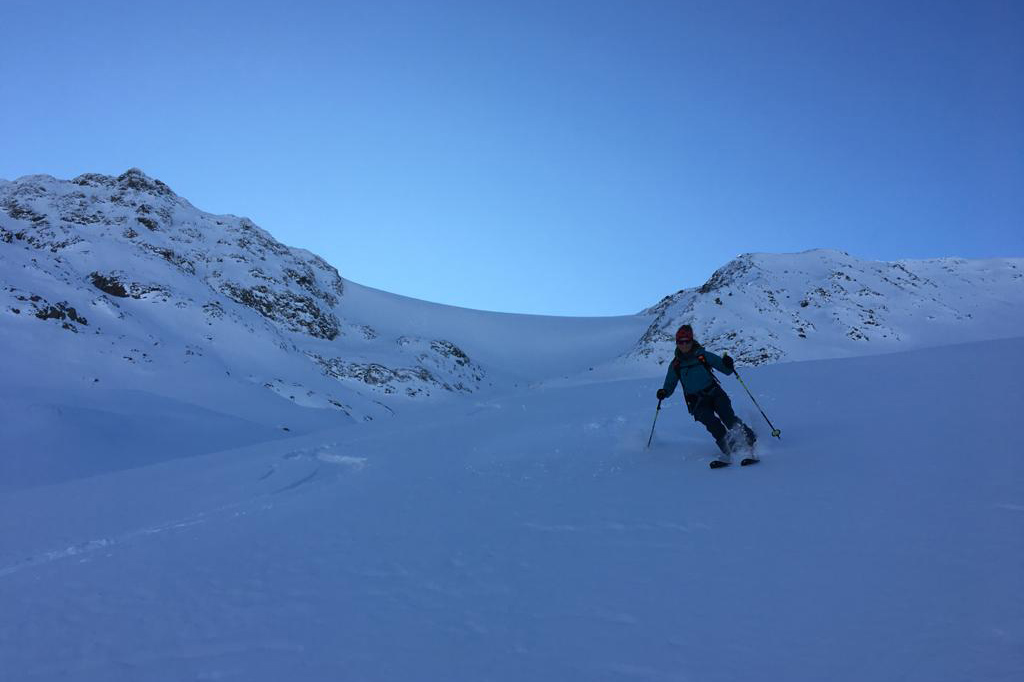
827	304
127	258
133	275
207	332
163	284
117	293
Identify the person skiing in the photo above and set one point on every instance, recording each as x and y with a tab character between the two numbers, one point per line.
705	399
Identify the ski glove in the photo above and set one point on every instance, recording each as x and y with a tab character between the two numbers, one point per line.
727	361
661	394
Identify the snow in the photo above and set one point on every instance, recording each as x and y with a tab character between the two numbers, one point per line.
528	534
522	348
244	466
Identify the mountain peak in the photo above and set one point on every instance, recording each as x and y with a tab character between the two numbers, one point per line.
121	270
132	179
764	307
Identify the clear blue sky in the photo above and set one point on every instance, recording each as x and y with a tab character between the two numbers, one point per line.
576	157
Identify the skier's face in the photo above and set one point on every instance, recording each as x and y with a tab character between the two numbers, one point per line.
684	345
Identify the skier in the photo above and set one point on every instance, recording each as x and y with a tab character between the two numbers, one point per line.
705	398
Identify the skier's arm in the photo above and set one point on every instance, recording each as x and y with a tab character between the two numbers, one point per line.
671	379
716	362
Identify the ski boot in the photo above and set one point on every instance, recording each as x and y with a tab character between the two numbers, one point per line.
725	459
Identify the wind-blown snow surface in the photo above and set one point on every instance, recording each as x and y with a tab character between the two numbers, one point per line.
530	536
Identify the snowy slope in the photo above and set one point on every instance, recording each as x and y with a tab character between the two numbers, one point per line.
222	460
530	536
116	293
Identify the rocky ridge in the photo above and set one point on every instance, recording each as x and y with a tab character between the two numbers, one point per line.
764	308
121	257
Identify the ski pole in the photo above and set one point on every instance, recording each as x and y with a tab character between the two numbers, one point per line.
775	431
653	425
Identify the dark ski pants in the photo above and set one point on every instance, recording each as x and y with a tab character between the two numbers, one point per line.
713	409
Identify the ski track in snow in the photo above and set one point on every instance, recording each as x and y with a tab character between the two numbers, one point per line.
83	550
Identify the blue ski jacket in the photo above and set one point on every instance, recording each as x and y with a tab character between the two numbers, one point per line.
688	369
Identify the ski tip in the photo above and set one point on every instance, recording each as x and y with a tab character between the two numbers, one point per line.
748	461
718	464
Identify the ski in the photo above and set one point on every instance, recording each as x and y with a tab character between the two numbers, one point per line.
746	461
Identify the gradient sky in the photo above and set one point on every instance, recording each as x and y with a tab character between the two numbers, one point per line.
571	157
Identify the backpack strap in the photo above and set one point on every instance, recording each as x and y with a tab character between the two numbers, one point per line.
703	361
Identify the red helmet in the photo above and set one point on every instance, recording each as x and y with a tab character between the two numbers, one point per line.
684	333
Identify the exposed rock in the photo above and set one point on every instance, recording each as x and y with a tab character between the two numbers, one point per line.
294	312
114	285
135	179
452	370
60	311
109	284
